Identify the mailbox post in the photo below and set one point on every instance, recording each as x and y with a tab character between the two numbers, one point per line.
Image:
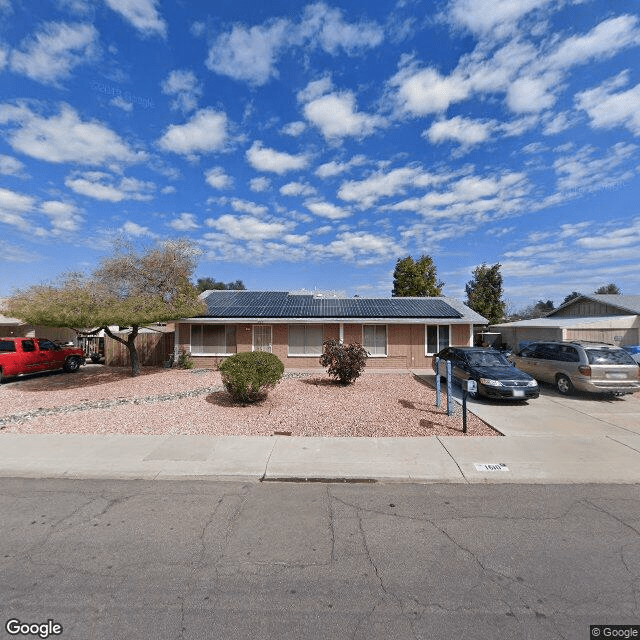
468	386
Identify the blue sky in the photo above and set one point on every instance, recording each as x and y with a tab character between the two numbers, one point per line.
312	145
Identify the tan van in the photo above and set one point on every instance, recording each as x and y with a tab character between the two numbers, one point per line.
588	366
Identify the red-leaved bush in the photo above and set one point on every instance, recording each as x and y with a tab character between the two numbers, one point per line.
344	362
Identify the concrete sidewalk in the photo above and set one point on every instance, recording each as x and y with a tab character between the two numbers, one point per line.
549	440
528	459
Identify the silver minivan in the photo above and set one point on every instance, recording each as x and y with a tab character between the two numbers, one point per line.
588	366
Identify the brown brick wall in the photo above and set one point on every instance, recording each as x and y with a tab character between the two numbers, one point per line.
405	345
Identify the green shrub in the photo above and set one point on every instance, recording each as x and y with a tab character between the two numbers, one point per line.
185	360
247	376
344	362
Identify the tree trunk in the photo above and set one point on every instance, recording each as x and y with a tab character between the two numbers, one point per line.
131	346
133	352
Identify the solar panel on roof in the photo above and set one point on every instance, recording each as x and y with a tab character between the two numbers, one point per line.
279	304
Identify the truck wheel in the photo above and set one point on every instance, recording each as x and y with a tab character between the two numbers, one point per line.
564	385
71	365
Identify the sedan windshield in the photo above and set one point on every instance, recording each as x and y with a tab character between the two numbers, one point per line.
488	360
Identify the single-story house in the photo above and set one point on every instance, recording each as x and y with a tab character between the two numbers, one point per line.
398	333
614	319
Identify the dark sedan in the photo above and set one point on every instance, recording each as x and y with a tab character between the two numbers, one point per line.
495	376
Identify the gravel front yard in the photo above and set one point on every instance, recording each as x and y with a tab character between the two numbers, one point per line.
162	401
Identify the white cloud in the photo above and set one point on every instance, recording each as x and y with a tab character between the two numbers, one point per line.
135	229
218	178
266	159
463	130
102	186
259	184
65	138
422	92
476	199
204	133
294	129
336	116
327	210
364	247
184	85
186	222
297	189
579	172
384	185
64	217
603	41
315	89
531	94
248	227
121	103
142	15
14	208
10	166
327	26
54	51
246	206
333	168
483	16
608	109
251	54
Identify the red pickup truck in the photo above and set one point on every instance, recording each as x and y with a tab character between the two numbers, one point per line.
29	355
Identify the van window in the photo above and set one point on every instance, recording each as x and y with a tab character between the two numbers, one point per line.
547	352
609	356
568	354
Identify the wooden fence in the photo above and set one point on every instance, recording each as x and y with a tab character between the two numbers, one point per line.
153	349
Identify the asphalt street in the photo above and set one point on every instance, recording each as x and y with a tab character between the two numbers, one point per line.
184	560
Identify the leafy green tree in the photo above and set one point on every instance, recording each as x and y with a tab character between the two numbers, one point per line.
610	288
484	292
206	284
128	289
416	278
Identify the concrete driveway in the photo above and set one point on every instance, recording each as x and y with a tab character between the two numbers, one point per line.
553	414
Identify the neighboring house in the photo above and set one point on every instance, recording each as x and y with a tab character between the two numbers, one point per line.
614	319
13	327
397	332
16	327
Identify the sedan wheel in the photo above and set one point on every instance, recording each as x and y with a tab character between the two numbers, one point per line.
564	385
71	365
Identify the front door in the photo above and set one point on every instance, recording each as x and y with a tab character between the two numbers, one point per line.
262	340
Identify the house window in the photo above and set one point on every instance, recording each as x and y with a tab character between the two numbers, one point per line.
374	339
213	339
262	337
437	338
305	339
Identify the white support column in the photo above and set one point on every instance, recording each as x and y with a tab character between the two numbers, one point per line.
341	332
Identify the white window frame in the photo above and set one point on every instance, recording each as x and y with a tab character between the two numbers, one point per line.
305	354
206	324
253	336
386	341
426	341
